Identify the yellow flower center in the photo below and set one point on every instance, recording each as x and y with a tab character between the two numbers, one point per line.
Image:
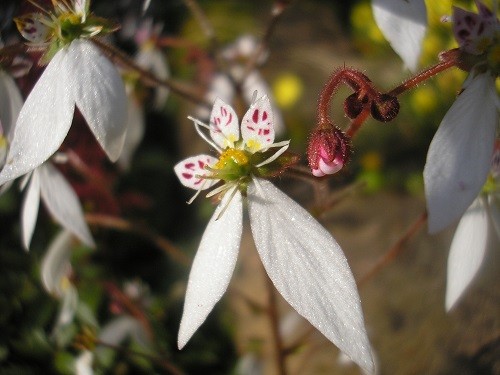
231	155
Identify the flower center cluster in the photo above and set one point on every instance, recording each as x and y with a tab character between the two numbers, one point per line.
230	157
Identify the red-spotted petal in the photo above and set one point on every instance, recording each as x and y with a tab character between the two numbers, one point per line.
190	172
32	27
257	127
224	127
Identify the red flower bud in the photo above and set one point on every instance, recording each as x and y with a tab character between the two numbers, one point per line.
328	151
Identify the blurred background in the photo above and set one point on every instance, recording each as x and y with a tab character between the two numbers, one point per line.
140	265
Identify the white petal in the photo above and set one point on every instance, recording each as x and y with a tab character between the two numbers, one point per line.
68	306
459	157
257	126
308	268
154	60
135	132
116	331
99	95
62	203
213	265
29	211
403	23
43	122
83	364
224	126
10	104
467	251
55	263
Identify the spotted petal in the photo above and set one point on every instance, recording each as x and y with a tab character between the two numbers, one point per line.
459	156
403	23
99	93
33	27
224	127
257	127
43	122
213	265
309	269
467	250
190	172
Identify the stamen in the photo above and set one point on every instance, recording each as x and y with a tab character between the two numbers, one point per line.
235	189
284	146
197	124
38	6
197	193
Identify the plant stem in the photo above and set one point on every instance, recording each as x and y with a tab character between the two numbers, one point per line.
272	311
123	225
394	251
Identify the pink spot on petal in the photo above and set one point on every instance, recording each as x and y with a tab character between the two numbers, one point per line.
187	176
189	166
255	116
229	119
264	116
201	164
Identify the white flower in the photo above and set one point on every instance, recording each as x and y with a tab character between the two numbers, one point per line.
55	273
78	75
470	241
302	259
59	198
403	23
83	363
458	160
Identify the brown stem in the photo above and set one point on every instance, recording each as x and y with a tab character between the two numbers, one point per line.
448	60
395	250
357	122
149	78
272	311
276	13
161	361
123	225
202	19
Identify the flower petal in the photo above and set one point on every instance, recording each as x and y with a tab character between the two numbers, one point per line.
10	104
190	170
154	60
255	82
116	331
224	127
308	268
29	212
56	263
403	23
257	126
99	95
43	122
459	157
68	307
33	28
62	203
135	132
467	250
83	363
213	265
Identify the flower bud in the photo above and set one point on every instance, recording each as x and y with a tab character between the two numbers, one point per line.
329	149
353	105
385	108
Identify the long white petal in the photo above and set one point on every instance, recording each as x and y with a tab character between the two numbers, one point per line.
403	23
99	95
68	306
29	211
55	263
308	268
459	157
135	132
62	203
467	250
43	122
213	265
10	103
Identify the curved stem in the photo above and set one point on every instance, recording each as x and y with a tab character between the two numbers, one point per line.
394	251
449	59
